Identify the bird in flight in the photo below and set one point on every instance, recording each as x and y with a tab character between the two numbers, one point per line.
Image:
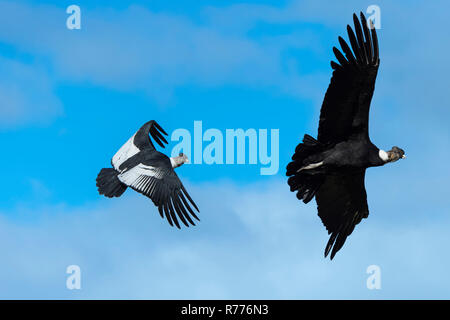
141	167
332	168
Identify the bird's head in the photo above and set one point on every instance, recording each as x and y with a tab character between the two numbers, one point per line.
178	161
183	157
395	154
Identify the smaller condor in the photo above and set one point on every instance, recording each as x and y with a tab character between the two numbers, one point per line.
139	166
332	168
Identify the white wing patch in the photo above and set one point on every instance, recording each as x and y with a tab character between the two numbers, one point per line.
143	178
125	152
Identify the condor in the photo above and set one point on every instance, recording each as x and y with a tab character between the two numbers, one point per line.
332	168
139	166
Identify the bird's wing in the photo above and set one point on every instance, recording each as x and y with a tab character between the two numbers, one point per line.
345	109
164	188
342	204
140	141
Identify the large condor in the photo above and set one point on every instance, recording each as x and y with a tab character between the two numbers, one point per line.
141	167
332	168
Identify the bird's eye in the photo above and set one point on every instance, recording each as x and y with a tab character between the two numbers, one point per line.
181	154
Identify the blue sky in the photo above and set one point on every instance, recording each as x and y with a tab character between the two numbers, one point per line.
71	98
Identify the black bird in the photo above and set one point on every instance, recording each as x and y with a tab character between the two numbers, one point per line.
332	168
139	166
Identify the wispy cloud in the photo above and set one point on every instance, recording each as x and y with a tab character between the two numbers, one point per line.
137	49
413	71
26	95
257	244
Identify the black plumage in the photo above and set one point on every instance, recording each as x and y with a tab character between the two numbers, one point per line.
332	168
140	166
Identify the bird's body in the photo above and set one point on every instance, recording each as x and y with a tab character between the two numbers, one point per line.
353	153
332	168
140	166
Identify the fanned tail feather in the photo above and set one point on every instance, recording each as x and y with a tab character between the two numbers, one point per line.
108	183
305	182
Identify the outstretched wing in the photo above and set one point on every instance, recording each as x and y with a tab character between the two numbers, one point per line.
345	109
140	141
162	185
342	204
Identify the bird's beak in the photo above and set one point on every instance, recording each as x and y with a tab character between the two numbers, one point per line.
403	157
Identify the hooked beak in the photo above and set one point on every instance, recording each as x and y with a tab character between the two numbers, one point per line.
403	157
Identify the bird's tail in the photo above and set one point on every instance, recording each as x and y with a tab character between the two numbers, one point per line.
306	182
109	184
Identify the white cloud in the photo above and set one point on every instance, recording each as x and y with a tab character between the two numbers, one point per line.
137	49
155	52
259	243
413	69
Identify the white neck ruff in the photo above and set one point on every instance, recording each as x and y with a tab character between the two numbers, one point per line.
383	155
